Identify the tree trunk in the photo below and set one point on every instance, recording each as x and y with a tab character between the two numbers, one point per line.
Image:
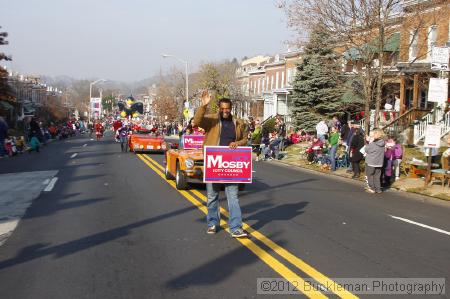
368	100
380	71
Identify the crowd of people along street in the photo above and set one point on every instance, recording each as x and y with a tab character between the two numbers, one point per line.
334	145
36	133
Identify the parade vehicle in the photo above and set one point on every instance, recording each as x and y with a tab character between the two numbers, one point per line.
185	166
146	141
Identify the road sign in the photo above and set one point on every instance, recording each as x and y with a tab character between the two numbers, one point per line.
433	136
439	58
438	90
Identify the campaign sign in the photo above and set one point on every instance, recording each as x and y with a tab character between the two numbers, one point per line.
225	165
193	141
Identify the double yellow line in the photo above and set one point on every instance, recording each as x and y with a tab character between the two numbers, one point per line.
262	254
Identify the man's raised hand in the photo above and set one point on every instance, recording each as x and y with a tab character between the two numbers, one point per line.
206	97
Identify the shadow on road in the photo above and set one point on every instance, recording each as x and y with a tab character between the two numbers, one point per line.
258	186
217	270
40	250
53	207
280	212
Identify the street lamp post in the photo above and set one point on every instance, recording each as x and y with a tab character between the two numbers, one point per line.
186	70
90	95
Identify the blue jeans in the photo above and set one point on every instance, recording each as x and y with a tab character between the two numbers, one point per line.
213	217
321	138
333	157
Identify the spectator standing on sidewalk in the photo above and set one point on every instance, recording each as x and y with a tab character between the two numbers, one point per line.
281	132
3	134
355	155
225	130
374	160
334	142
256	139
322	130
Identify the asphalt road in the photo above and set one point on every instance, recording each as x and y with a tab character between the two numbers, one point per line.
112	227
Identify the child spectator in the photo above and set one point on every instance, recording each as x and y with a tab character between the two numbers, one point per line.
315	148
398	156
20	144
388	162
34	144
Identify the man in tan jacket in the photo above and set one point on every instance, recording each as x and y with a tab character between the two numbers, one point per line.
225	130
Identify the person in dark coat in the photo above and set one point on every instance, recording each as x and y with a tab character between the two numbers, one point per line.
3	135
355	155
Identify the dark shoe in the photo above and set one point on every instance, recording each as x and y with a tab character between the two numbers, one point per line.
239	233
211	230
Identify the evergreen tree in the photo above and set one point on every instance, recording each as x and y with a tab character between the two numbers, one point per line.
6	91
317	86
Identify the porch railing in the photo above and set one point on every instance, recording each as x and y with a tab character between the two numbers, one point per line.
420	127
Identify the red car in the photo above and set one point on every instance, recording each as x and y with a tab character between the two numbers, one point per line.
146	142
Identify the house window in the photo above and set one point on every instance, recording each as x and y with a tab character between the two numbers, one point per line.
282	79
271	83
412	45
259	84
432	37
263	84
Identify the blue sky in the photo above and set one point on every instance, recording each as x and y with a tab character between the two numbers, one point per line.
124	40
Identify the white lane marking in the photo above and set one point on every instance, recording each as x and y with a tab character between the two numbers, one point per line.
51	185
84	145
74	155
422	225
46	182
6	229
92	138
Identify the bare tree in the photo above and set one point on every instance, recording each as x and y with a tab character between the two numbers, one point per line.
362	29
220	78
168	102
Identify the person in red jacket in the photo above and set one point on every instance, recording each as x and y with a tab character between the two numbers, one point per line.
99	130
116	126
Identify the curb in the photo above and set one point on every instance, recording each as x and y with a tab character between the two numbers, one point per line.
391	189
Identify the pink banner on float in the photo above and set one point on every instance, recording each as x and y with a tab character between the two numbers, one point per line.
193	141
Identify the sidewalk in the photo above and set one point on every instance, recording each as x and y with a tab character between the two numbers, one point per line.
406	184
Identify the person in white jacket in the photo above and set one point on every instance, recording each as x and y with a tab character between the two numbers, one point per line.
322	130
